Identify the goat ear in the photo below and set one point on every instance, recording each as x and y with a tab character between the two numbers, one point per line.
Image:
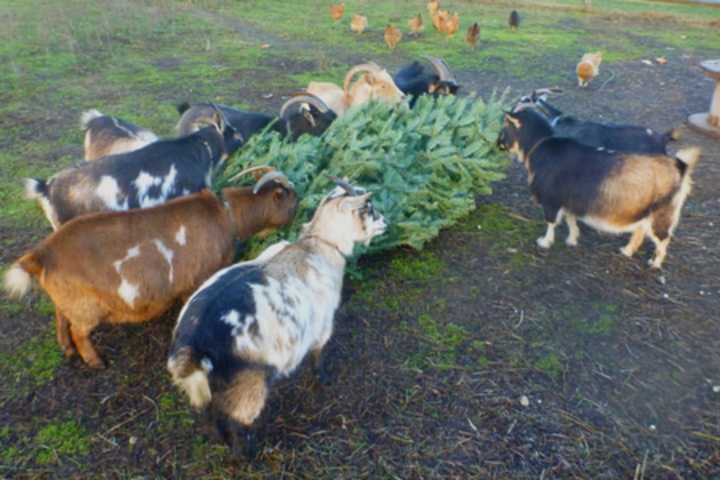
279	194
354	203
510	118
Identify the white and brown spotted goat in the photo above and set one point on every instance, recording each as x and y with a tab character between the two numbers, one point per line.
255	321
106	135
130	267
611	191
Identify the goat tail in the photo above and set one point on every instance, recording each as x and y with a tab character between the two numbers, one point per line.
183	107
689	157
673	134
88	116
35	188
18	279
191	376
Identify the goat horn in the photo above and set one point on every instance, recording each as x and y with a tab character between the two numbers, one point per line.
304	97
276	176
263	168
441	69
344	185
363	67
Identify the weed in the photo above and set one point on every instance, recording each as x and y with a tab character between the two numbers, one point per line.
550	365
61	439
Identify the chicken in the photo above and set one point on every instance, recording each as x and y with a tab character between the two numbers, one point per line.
588	68
416	24
452	25
337	11
473	33
444	23
392	36
439	18
358	24
514	20
433	6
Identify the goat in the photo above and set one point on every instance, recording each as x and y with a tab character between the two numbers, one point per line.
414	80
375	84
130	267
610	191
617	137
255	321
152	175
299	115
106	135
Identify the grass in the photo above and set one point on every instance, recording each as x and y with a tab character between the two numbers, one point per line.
58	440
32	364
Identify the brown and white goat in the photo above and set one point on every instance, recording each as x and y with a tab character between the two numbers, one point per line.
375	84
610	191
106	135
130	267
256	321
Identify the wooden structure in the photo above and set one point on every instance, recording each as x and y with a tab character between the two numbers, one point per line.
709	123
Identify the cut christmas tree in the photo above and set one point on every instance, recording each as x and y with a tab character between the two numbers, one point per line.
424	165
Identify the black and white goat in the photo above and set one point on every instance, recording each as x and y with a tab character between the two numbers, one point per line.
106	135
143	178
256	321
415	80
610	191
300	114
618	137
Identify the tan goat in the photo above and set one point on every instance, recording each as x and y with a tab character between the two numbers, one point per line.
375	84
129	267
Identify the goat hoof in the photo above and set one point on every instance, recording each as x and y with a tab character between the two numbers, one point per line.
655	263
96	363
542	243
627	252
571	242
68	352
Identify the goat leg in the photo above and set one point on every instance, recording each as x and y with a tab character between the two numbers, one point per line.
81	338
62	330
320	367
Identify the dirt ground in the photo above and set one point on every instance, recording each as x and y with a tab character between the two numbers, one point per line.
481	357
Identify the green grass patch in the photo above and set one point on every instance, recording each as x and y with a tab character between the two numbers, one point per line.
61	439
420	267
441	344
33	364
510	236
602	322
173	413
550	365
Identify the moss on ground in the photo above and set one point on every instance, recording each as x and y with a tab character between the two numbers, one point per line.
60	439
550	364
33	364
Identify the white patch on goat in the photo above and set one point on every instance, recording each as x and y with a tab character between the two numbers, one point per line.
120	127
232	318
206	364
131	253
600	149
147	137
143	182
109	192
167	254
181	236
185	191
50	212
649	131
128	292
603	226
208	178
17	282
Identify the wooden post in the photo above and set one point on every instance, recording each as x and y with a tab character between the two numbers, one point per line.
709	123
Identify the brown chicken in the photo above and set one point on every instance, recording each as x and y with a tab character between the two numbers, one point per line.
337	11
416	24
588	68
433	6
392	36
439	18
473	33
358	24
452	25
